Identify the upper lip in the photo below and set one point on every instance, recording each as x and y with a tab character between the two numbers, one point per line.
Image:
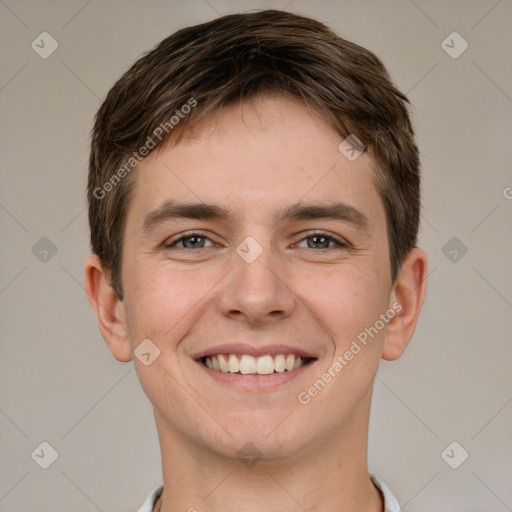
253	350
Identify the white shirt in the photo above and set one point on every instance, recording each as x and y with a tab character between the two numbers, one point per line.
390	502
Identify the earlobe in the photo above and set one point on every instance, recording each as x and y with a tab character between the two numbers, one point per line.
108	308
409	292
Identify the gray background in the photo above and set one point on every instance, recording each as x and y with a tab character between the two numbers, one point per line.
60	383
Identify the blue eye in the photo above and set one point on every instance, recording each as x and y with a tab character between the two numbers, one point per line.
190	241
198	240
322	241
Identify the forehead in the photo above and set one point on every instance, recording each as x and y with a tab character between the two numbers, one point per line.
258	157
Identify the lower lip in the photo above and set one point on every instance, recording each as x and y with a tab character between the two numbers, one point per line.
268	382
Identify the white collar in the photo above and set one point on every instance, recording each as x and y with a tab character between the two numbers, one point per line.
390	502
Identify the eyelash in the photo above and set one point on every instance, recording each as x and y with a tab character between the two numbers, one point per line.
202	234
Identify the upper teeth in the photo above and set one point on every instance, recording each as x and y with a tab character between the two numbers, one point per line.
246	364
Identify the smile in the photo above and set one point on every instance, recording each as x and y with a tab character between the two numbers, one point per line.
246	364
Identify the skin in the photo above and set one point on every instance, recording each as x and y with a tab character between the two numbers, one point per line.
254	160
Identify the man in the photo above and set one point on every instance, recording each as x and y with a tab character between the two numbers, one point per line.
254	207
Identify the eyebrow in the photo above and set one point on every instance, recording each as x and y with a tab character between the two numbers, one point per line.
203	211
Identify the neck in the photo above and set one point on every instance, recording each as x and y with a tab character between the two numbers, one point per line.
328	476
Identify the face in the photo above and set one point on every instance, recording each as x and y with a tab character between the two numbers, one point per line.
255	293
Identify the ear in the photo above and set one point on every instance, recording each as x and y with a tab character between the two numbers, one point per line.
109	310
407	296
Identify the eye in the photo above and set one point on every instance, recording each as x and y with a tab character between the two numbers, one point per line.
198	240
194	240
321	240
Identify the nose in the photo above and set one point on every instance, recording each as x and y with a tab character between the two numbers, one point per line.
258	292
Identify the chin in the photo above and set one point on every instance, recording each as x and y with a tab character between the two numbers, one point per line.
258	435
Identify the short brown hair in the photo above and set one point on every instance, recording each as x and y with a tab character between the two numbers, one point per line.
237	57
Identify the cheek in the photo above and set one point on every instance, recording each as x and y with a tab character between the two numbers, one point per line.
165	300
162	305
344	300
360	333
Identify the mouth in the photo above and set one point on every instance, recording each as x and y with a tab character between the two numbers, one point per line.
247	364
254	367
